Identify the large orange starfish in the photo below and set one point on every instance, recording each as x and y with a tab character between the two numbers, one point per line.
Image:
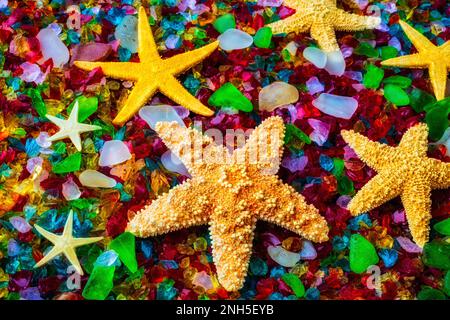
230	192
404	171
321	18
153	73
435	58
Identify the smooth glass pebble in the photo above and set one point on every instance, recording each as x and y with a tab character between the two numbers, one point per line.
277	94
292	48
443	227
52	47
294	164
320	132
113	152
31	72
294	282
336	106
282	256
107	259
99	284
13	248
316	56
314	85
32	163
399	216
263	37
230	96
335	63
20	224
436	254
70	190
389	257
372	77
124	245
157	113
225	22
234	39
396	95
172	163
308	251
126	33
202	279
94	51
95	179
362	254
408	245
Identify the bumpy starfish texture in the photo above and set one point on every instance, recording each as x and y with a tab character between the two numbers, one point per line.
65	244
70	128
403	171
435	58
321	18
230	192
153	74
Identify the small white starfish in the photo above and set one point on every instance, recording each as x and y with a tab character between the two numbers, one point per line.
64	243
70	128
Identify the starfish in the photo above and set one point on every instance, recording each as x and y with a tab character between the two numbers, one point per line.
230	192
321	18
64	243
153	73
403	171
70	128
435	58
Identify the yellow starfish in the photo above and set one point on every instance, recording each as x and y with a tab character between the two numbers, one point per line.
404	171
322	18
64	243
230	192
153	73
435	58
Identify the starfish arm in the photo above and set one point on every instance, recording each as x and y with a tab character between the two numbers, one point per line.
440	174
142	91
344	21
264	146
82	127
68	227
71	255
417	39
415	60
295	23
76	140
173	89
232	241
191	146
147	46
380	189
290	210
73	117
438	78
415	140
48	257
174	210
118	70
416	199
184	61
323	33
375	154
78	242
53	238
61	134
